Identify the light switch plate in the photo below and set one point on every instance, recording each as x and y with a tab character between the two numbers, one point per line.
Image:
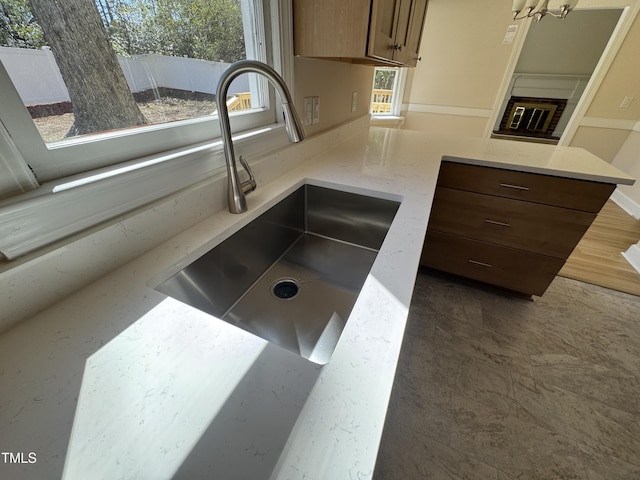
316	110
510	35
308	111
626	102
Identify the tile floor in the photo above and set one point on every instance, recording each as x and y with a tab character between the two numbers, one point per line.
497	387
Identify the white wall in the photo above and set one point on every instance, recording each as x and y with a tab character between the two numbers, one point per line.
569	47
628	160
628	196
454	87
606	126
464	59
558	58
333	83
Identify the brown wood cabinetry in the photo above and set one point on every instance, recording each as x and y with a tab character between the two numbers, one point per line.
508	228
376	32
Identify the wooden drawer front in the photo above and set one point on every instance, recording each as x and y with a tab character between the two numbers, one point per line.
505	267
544	189
528	226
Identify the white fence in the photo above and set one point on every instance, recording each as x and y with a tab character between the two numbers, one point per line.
37	78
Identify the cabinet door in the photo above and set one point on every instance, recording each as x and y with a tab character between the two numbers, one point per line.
533	227
331	28
409	39
517	270
396	30
532	187
385	15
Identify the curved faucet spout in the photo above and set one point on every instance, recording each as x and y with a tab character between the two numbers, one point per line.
236	191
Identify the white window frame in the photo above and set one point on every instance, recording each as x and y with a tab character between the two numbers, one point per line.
87	152
398	92
104	175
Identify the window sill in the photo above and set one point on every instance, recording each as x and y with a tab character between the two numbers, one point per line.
68	206
389	121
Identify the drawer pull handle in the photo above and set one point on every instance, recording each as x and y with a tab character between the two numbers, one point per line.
482	264
494	222
516	187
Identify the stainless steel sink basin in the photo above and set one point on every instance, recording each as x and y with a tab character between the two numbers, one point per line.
293	274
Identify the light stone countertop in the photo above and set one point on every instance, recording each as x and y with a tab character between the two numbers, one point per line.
120	381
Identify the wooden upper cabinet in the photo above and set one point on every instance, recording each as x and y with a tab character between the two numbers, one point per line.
410	52
376	32
396	30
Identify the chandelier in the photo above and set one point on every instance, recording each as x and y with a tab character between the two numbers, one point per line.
539	8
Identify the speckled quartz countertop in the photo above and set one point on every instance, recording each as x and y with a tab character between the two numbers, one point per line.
120	381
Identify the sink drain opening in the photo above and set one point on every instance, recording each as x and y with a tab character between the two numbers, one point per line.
285	289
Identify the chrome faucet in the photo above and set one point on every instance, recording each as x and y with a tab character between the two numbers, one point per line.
236	191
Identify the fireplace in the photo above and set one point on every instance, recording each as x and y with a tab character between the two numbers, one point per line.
532	117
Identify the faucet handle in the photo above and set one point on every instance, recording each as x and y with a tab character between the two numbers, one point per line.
248	185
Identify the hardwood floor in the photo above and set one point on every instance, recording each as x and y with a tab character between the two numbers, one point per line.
598	260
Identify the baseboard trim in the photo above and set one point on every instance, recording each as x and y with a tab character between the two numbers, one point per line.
627	204
612	123
449	110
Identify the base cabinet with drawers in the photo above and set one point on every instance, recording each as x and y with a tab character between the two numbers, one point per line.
508	228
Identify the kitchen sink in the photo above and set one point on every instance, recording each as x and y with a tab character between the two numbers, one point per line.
293	274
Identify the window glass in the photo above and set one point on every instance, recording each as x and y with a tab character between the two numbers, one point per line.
384	85
88	66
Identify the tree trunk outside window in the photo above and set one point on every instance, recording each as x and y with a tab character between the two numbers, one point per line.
97	86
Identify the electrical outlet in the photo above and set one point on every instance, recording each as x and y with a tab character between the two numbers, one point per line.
316	110
308	111
354	101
